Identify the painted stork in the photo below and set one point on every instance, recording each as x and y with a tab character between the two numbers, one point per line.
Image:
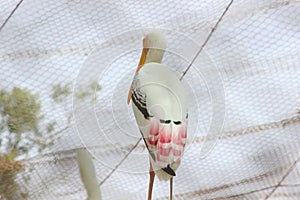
159	106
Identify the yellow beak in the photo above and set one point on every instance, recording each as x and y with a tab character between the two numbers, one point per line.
140	65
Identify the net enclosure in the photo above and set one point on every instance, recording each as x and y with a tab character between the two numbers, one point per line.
66	68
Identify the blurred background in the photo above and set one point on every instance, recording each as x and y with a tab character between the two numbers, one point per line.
66	68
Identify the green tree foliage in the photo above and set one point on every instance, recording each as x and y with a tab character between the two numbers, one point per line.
89	91
20	117
8	171
20	114
60	92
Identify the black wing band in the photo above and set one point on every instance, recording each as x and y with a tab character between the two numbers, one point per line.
140	104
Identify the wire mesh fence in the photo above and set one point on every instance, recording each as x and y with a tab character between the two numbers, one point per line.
77	59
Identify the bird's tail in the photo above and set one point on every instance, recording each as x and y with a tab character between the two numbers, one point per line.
168	149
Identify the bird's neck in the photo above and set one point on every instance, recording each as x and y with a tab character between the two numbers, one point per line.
154	55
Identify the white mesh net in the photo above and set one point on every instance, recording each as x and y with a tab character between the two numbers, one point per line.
244	93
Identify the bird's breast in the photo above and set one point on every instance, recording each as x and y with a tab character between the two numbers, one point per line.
163	92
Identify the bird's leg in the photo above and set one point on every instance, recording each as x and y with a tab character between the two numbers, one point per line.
151	181
171	188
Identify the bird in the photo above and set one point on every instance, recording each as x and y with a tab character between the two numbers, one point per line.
159	104
88	174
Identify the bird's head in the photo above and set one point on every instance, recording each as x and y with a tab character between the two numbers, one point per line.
154	45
